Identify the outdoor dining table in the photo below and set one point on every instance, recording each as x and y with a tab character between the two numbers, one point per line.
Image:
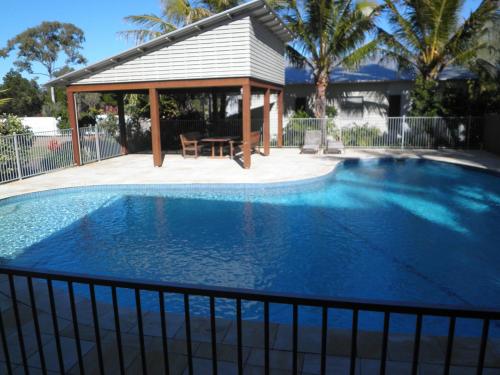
221	141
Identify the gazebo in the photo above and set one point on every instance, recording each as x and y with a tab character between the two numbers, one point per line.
241	48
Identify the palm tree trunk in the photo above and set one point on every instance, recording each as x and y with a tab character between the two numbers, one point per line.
320	103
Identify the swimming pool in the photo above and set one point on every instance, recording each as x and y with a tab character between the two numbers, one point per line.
385	229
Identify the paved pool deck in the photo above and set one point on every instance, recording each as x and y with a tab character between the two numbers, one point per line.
464	354
281	165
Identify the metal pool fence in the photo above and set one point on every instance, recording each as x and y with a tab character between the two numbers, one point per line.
13	278
97	144
30	154
392	132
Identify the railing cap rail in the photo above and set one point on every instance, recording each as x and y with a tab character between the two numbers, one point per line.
261	296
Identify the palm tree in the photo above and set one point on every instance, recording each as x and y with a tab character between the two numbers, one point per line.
329	34
175	13
150	26
427	35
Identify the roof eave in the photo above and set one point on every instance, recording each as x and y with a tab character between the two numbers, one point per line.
286	35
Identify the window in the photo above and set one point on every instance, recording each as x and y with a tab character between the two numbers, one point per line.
352	106
394	106
300	104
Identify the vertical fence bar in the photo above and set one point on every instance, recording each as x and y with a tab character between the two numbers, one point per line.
161	297
449	346
213	335
239	336
18	323
116	315
354	339
97	143
164	340
97	332
295	338
76	330
482	346
55	325
266	338
140	329
189	346
385	339
36	325
18	160
6	354
416	345
324	332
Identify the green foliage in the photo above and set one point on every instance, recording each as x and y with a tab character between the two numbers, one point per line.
3	100
109	123
329	34
331	111
425	98
26	96
11	124
428	36
301	113
44	44
360	136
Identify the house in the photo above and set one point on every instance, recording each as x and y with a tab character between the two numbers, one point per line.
373	91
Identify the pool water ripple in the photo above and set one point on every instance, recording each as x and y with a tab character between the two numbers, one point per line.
410	230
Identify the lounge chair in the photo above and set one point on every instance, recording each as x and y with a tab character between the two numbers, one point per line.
312	142
191	145
237	144
333	146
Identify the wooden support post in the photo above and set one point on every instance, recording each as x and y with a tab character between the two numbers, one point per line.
247	125
266	128
73	121
121	122
154	108
280	118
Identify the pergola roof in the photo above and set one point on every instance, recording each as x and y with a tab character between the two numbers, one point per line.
257	9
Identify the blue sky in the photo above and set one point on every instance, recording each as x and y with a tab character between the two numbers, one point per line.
99	19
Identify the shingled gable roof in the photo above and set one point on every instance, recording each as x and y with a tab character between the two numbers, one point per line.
257	9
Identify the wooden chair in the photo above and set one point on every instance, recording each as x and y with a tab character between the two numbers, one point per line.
254	144
191	144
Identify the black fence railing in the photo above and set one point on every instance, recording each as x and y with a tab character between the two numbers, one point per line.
24	301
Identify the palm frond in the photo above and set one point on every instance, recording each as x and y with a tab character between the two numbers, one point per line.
150	26
359	55
296	59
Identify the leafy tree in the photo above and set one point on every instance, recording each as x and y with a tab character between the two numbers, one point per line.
11	124
3	100
426	98
330	33
44	44
26	96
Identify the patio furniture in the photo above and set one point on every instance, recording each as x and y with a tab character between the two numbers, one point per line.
334	146
237	143
312	142
221	141
191	144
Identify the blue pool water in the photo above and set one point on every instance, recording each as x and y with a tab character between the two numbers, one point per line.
396	230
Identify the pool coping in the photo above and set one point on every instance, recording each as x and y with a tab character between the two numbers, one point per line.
244	187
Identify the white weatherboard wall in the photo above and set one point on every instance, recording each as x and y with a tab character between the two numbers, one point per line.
266	54
234	49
